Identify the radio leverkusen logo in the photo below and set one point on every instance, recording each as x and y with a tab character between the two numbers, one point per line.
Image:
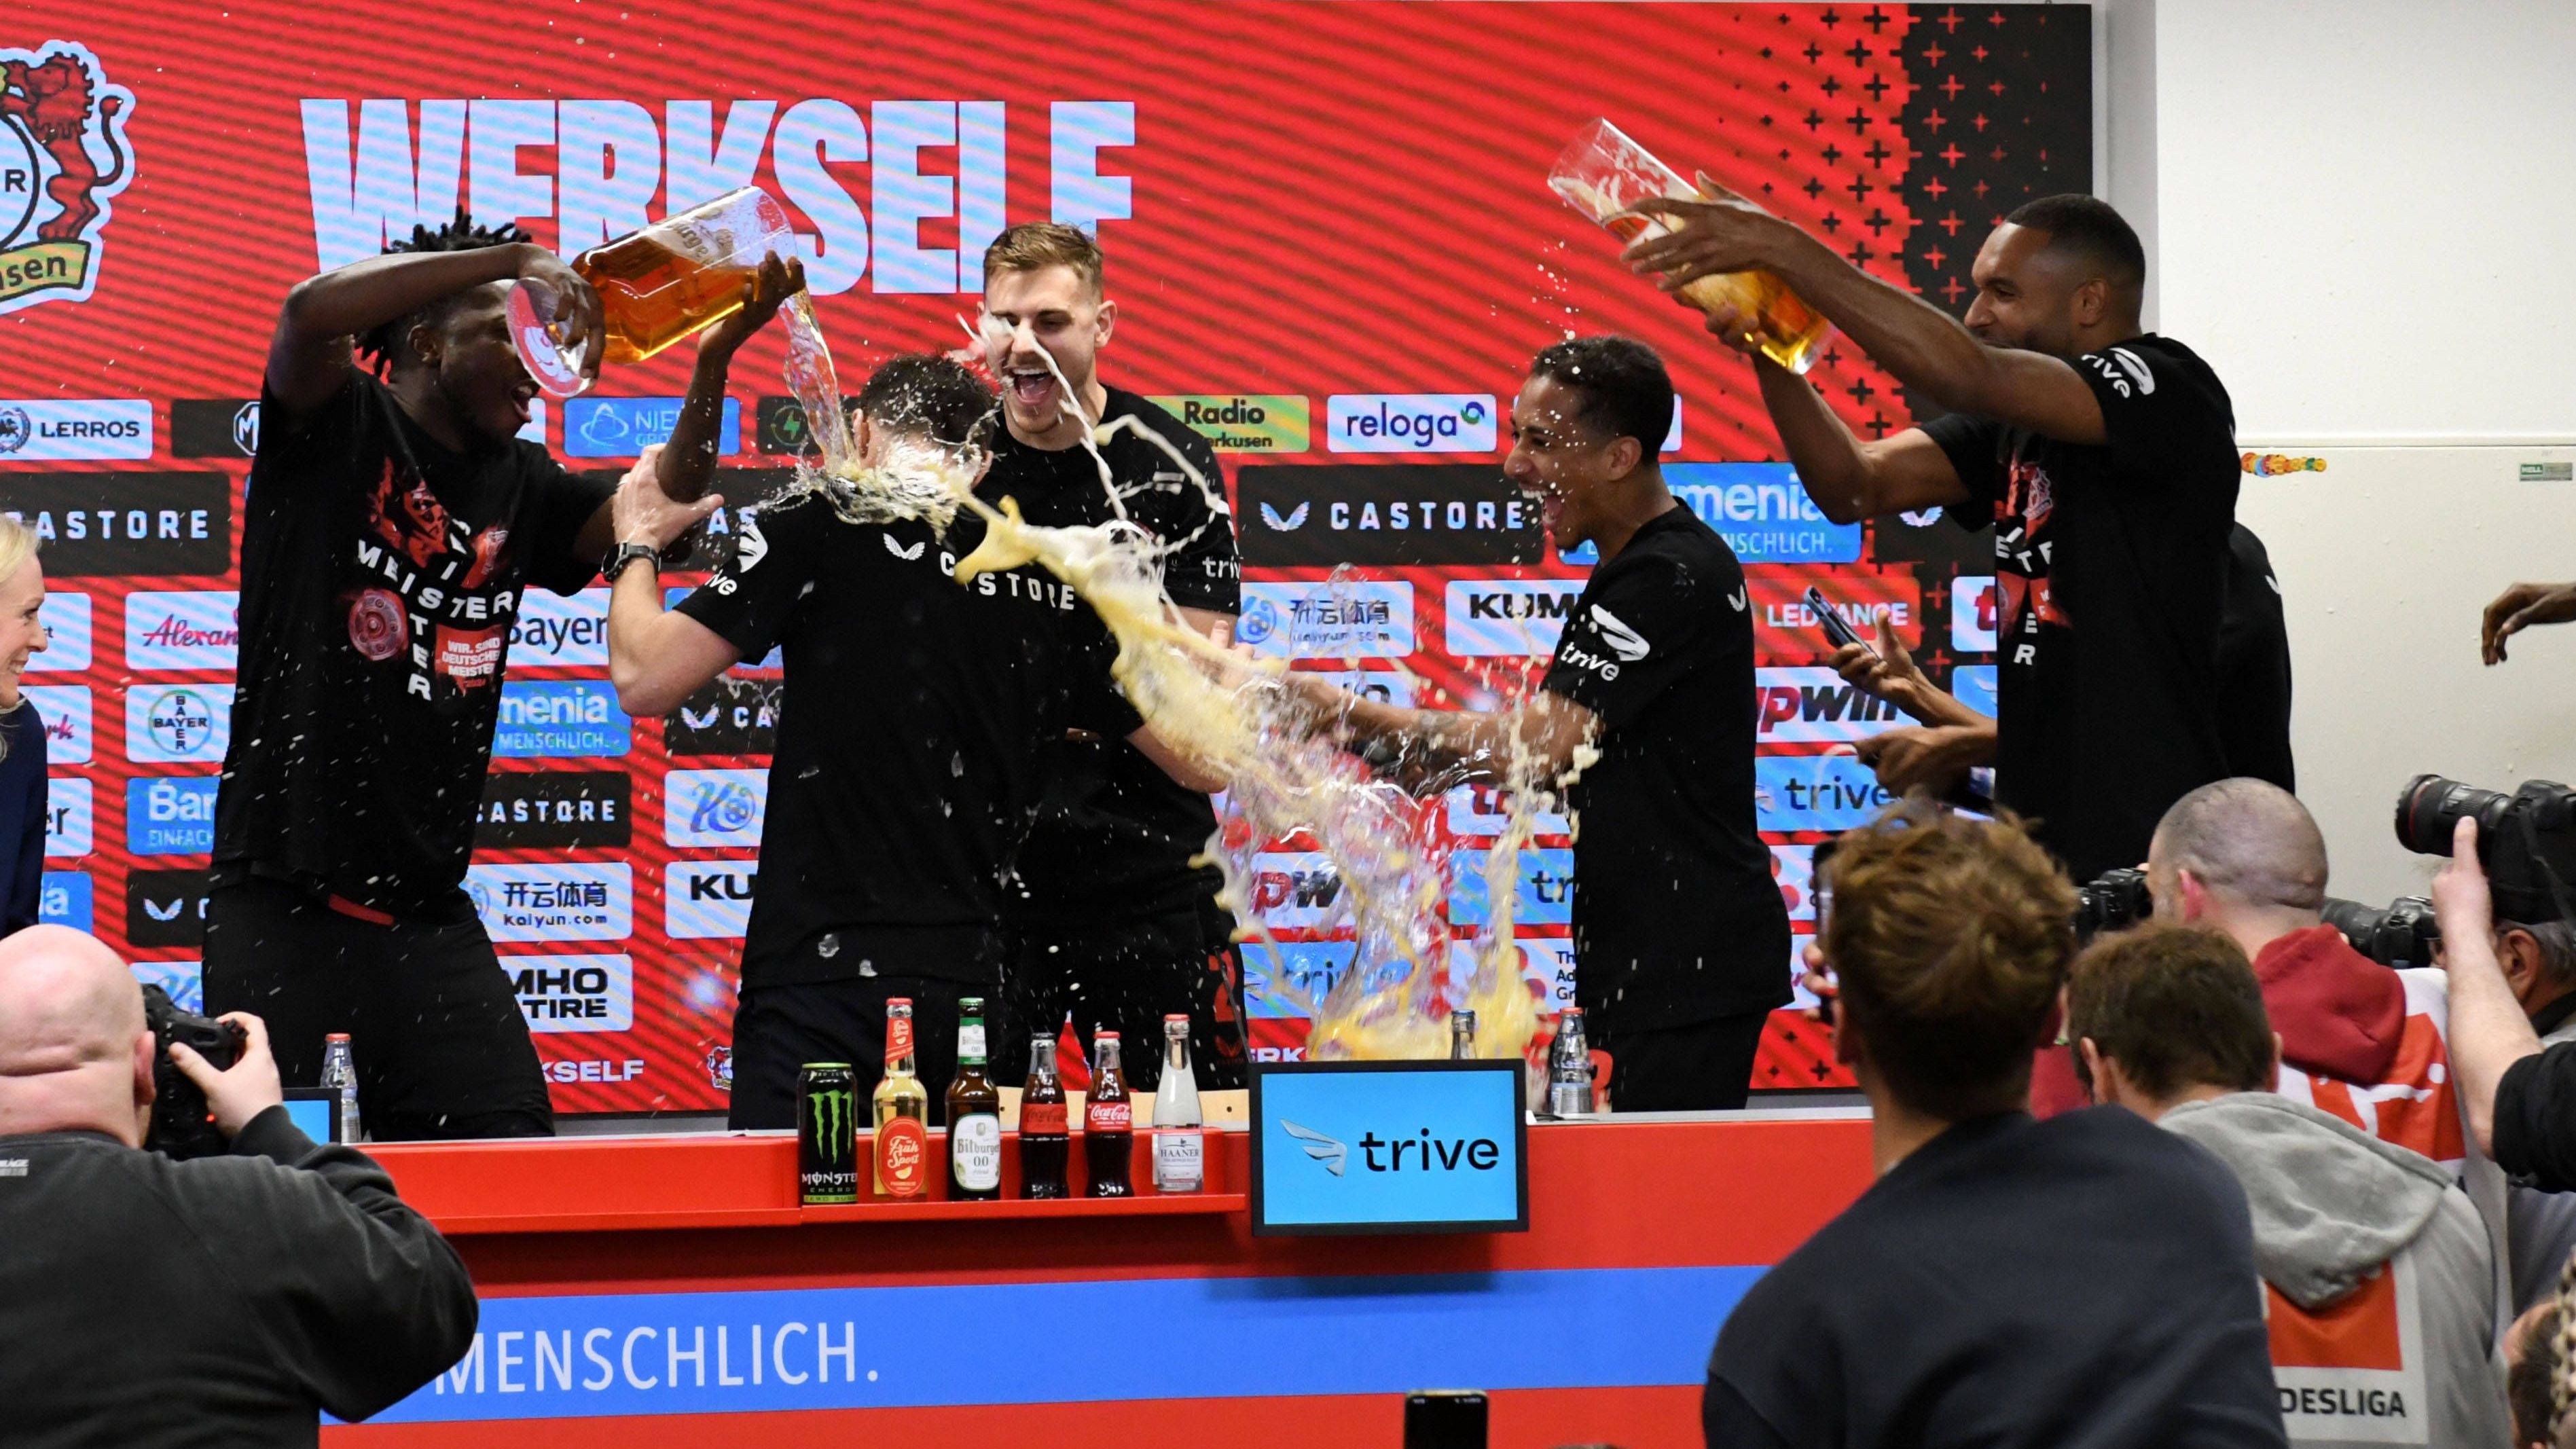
58	114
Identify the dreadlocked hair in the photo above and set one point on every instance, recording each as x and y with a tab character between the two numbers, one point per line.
384	340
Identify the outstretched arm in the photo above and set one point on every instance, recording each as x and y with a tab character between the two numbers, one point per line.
656	657
1926	348
309	354
1455	746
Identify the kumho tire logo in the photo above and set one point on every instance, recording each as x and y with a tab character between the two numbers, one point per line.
63	154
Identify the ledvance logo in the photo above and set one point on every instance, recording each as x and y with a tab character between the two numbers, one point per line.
1410	422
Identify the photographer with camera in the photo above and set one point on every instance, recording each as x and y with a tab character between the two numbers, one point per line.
222	1300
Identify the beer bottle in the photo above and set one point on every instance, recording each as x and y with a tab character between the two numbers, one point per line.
1462	1035
902	1112
974	1114
1108	1120
1180	1141
1042	1125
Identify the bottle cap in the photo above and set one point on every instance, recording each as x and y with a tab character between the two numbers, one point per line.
335	1036
1104	1036
1180	1017
903	1001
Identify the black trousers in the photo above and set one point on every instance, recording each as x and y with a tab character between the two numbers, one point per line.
1706	1066
778	1029
1127	978
441	1047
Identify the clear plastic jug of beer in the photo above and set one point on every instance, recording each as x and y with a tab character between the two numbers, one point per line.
1602	174
655	286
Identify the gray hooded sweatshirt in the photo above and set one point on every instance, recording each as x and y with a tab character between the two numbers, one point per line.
2332	1206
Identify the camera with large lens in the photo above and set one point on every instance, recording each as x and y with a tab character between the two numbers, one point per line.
181	1124
2526	840
2112	900
2401	934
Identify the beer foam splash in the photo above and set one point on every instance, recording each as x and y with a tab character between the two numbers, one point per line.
1288	781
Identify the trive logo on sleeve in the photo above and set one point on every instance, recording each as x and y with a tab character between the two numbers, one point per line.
195	629
554	630
1542	894
1973	606
714	807
67	816
178	723
1507	618
574	993
66	898
1814	704
1327	620
170	815
561	719
558	901
708	899
67	635
63	710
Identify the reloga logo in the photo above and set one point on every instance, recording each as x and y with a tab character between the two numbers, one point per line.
1410	422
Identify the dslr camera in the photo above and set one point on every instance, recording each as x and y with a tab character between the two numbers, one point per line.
2526	840
182	1127
2111	901
2400	934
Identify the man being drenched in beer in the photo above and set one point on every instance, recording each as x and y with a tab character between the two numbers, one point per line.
394	519
907	772
1680	938
2103	455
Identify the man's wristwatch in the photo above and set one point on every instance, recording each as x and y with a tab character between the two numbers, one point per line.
627	553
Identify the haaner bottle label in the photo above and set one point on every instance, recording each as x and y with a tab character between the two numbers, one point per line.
1042	1117
903	1146
976	1144
1108	1117
1178	1162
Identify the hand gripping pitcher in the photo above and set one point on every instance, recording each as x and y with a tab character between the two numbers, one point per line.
1602	174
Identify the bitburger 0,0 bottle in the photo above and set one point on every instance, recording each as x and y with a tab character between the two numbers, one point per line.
827	1133
902	1112
974	1114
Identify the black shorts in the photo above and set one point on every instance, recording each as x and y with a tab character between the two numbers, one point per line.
1127	978
441	1047
1706	1066
778	1029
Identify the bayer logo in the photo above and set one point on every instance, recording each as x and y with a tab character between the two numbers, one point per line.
182	722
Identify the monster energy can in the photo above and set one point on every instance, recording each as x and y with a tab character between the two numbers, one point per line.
827	1133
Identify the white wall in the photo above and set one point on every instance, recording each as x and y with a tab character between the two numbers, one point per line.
2359	211
2364	208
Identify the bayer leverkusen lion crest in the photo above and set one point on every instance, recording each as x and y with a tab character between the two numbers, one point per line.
63	153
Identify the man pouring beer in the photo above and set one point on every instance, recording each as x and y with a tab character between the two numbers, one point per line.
394	519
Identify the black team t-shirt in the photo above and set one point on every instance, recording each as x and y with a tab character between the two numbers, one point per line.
910	743
2112	563
1676	918
2088	1280
2254	667
1114	839
380	576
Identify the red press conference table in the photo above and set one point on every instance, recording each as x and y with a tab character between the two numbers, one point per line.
668	1290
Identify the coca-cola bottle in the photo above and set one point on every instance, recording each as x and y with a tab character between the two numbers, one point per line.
1042	1125
1108	1120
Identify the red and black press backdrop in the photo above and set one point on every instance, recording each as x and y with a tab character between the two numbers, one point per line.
1334	252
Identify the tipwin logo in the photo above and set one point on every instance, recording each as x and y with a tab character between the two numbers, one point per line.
56	105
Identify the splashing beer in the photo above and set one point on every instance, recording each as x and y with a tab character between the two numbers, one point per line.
1603	174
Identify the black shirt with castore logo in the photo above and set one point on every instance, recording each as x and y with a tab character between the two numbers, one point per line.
1114	839
910	745
380	574
2112	562
1676	917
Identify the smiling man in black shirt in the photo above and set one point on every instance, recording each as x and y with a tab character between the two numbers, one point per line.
2103	455
393	524
911	752
1110	919
1681	942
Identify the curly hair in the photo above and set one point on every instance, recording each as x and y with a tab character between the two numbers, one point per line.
1951	936
384	341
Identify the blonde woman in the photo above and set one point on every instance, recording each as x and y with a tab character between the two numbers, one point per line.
22	733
